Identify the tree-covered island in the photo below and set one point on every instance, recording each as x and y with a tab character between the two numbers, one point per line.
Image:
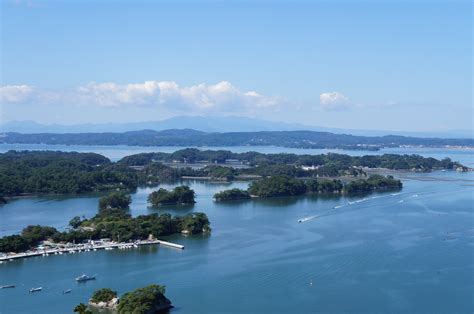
180	195
231	195
113	223
288	186
147	300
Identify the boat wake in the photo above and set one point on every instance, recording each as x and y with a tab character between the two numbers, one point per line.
308	218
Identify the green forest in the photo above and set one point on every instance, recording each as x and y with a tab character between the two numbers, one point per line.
288	186
47	172
180	195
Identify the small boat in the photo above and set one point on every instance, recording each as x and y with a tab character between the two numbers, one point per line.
7	286
36	289
84	277
67	291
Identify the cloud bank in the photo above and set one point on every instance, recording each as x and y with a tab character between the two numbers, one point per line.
15	93
222	96
333	101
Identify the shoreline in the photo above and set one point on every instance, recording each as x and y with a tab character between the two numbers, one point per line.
79	248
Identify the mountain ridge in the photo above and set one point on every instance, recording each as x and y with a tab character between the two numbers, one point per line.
211	124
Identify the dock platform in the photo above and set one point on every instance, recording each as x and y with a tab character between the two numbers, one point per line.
90	247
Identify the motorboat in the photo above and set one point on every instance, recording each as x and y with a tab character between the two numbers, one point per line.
36	289
84	277
7	286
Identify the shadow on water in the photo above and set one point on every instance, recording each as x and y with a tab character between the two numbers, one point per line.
177	209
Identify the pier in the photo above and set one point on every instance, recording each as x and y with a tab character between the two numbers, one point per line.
89	247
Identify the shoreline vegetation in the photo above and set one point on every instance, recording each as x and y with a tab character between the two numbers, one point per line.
48	172
180	195
190	137
111	223
145	300
286	186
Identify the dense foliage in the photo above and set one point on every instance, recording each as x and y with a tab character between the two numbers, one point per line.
288	186
277	186
374	182
186	137
30	236
146	300
81	308
103	295
231	195
60	172
117	200
179	195
290	164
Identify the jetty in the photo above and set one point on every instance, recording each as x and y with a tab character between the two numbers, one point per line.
87	247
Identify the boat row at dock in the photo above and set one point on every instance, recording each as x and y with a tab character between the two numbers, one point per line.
87	247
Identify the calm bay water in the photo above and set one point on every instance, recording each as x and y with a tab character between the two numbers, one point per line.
411	251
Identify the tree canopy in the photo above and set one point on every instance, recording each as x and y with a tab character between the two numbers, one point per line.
103	295
179	195
147	300
116	200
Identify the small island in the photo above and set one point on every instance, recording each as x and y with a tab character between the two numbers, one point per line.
180	195
147	300
288	186
231	195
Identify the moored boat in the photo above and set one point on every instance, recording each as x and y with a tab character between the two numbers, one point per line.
36	289
84	277
7	286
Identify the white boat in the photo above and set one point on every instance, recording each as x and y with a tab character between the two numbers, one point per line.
67	291
7	286
84	277
36	289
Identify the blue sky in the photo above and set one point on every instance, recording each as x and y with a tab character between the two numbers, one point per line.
394	65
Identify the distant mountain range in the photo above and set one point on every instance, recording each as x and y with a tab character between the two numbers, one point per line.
189	137
211	124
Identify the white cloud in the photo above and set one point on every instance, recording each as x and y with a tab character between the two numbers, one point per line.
222	97
333	101
203	97
15	93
